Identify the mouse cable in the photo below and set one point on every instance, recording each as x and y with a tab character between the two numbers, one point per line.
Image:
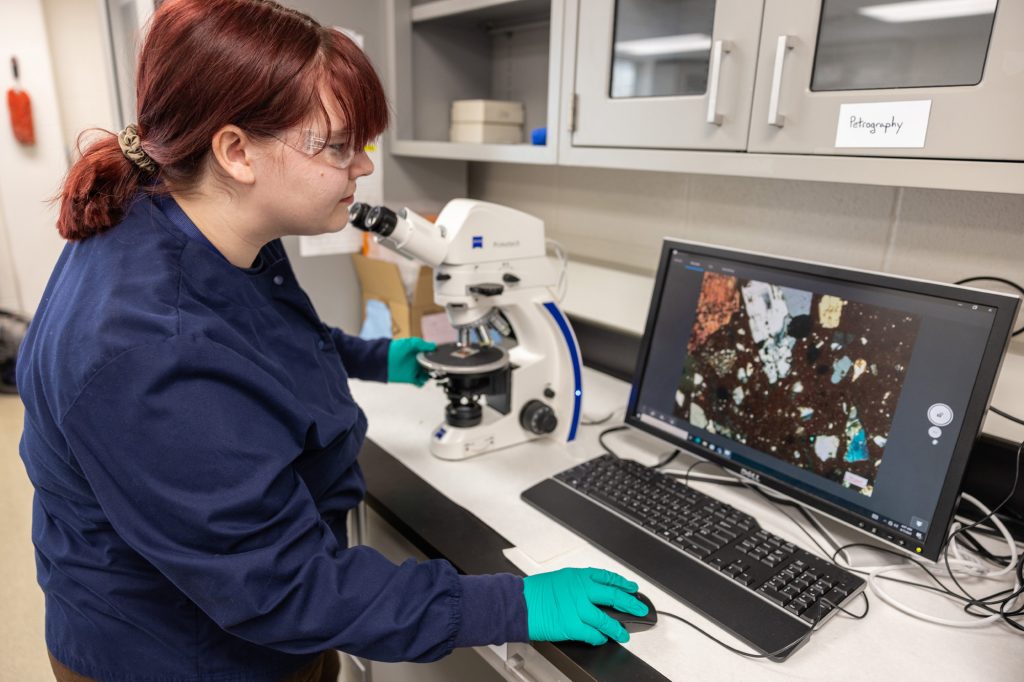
774	655
1001	280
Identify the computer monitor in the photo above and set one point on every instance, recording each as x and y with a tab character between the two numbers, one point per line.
857	393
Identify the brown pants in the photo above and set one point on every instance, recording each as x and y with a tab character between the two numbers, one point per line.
324	668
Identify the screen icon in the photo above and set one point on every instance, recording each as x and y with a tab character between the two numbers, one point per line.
940	414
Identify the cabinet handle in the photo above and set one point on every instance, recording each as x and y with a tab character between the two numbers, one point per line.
721	47
774	117
517	666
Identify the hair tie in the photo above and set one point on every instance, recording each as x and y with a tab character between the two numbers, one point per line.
131	147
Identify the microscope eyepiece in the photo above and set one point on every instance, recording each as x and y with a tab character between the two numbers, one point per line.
357	214
381	220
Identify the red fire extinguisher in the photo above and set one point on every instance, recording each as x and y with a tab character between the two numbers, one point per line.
20	106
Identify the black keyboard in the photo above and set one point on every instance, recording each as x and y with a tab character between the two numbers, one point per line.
763	589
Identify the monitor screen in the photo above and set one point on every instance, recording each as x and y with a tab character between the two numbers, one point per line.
857	393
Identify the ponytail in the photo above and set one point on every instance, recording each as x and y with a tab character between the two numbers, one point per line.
206	64
97	190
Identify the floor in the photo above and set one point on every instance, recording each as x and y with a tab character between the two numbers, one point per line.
22	649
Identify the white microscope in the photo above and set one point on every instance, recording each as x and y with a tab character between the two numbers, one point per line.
491	274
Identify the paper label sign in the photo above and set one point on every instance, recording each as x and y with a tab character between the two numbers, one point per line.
883	124
349	240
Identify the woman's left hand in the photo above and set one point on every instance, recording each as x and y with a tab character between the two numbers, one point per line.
402	364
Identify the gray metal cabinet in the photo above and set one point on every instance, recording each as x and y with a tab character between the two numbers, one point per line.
652	74
840	77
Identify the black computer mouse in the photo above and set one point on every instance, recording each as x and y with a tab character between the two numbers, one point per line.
634	623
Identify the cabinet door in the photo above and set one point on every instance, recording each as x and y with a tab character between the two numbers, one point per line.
665	74
937	79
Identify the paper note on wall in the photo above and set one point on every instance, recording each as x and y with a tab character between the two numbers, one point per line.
349	240
899	125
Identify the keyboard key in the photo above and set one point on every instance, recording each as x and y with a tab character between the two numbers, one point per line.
722	538
835	597
775	595
696	551
816	612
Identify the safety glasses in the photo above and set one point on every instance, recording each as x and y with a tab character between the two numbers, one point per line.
338	152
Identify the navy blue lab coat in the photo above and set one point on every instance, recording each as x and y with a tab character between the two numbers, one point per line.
192	441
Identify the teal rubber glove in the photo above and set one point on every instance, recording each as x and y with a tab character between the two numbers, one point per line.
402	364
561	605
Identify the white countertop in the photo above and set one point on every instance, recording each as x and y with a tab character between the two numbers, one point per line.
885	645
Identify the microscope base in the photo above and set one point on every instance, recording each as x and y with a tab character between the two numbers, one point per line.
454	443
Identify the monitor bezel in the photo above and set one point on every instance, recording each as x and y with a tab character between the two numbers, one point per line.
995	349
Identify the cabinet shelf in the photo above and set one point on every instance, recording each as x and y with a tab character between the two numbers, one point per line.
505	153
449	50
491	11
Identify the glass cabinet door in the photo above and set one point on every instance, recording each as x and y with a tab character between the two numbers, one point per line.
913	78
665	74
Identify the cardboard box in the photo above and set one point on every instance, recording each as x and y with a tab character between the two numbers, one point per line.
487	111
380	281
497	133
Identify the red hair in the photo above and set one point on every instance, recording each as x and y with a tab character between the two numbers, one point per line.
210	63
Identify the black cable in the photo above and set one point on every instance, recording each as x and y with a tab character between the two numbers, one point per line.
980	550
672	455
1001	280
602	420
942	589
697	463
1004	415
703	479
1002	598
983	602
789	647
600	439
821	530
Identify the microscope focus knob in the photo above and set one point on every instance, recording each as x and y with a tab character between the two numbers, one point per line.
538	417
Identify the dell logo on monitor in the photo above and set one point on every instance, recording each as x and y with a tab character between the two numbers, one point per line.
747	473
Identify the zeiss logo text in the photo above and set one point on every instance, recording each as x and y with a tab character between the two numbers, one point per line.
750	474
478	242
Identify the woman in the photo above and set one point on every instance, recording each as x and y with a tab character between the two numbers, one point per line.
189	428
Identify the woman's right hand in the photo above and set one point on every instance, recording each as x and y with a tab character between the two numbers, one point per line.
561	605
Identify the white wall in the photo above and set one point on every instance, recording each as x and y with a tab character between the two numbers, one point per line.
9	298
29	176
76	34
